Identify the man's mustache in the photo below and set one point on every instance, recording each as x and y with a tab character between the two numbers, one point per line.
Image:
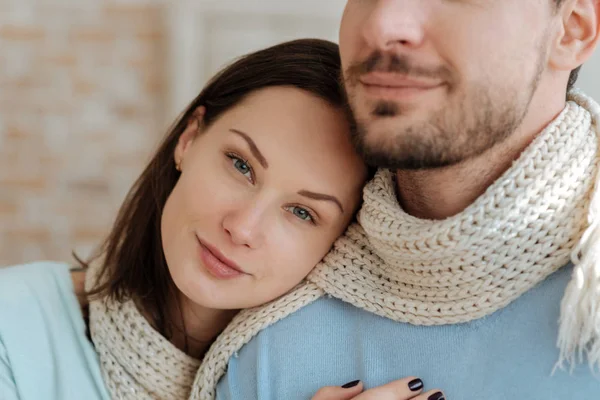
399	64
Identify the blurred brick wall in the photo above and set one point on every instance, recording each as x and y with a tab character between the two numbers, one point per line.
81	109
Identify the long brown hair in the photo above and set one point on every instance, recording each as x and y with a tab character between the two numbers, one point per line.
133	264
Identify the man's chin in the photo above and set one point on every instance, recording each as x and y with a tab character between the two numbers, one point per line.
381	130
393	145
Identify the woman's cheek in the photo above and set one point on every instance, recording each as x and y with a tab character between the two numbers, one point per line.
209	188
304	252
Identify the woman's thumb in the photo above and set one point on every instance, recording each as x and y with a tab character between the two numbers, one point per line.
344	392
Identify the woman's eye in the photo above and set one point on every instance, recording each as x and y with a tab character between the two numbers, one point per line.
242	166
301	213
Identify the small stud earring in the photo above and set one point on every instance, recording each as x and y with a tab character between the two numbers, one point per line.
178	165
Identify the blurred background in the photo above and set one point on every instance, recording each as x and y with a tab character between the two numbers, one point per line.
88	88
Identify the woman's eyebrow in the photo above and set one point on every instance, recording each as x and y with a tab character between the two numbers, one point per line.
253	148
321	196
263	161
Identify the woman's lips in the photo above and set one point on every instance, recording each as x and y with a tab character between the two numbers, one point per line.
217	264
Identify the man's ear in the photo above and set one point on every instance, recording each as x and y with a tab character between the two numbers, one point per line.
579	34
194	125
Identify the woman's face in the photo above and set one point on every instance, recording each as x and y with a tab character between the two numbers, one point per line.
263	193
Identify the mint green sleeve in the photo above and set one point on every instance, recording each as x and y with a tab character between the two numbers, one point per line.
8	389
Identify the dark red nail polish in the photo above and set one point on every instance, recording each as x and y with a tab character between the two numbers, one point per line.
350	384
437	396
415	384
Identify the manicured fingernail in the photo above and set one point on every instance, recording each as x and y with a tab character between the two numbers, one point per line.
415	384
351	384
437	396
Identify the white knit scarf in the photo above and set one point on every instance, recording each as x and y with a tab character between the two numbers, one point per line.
137	362
540	215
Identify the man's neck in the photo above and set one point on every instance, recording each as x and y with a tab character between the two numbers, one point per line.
441	193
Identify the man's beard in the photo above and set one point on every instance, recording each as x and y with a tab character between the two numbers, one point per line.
477	119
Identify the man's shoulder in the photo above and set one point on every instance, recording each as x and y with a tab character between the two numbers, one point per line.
325	316
330	342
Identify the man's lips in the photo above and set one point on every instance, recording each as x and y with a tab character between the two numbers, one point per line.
396	81
220	258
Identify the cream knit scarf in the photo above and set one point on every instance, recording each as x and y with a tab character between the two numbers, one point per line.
541	214
137	362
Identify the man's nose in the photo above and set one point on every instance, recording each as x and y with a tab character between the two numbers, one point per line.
395	24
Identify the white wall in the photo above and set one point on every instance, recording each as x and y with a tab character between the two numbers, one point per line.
589	78
208	34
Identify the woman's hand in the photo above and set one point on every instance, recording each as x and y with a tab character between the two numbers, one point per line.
403	389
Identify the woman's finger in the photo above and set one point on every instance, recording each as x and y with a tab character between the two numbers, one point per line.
402	389
435	394
344	392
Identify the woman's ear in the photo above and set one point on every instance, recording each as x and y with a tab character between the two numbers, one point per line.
194	126
580	26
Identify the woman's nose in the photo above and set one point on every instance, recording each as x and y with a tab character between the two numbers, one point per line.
246	225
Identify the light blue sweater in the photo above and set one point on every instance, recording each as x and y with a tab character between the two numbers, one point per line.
508	355
44	351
